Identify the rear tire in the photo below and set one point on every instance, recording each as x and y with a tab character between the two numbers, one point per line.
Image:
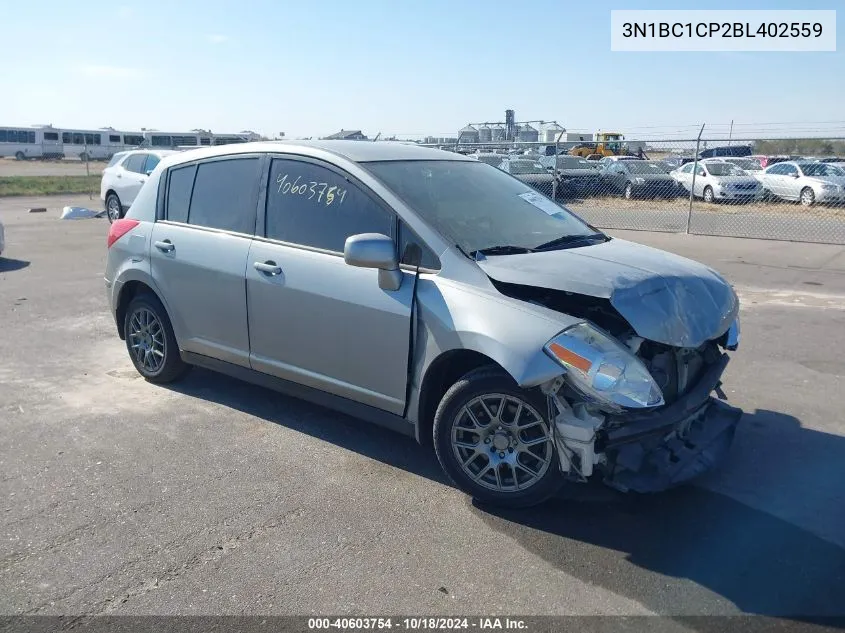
490	453
708	195
150	340
114	210
20	156
83	157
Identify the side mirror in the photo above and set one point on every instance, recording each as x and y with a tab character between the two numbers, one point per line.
147	172
374	250
794	175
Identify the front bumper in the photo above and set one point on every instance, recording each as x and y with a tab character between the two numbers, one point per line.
661	449
661	190
830	197
695	446
723	193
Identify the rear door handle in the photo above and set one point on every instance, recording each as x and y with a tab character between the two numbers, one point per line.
166	246
268	268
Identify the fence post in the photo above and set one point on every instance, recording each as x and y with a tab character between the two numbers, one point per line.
554	170
694	169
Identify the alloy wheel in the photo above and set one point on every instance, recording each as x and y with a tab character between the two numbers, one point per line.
146	340
502	443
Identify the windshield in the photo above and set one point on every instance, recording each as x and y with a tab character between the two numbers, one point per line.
822	169
477	206
724	169
572	162
525	167
636	167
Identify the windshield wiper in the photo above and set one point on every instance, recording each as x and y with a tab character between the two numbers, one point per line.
502	249
570	241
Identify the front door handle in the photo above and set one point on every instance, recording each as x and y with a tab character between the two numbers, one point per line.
165	246
268	267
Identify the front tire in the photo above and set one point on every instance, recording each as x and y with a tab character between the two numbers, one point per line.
629	191
494	441
808	197
150	340
114	210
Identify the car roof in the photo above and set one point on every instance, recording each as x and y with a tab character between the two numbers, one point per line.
355	151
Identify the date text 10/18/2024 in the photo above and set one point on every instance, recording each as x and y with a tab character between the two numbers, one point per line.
418	624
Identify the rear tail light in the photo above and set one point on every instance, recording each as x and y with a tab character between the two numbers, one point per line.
120	228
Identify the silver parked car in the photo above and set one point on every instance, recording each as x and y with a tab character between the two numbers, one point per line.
805	182
435	295
716	180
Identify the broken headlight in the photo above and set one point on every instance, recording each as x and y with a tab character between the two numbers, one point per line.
603	369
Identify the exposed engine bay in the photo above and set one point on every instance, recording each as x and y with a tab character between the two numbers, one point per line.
643	451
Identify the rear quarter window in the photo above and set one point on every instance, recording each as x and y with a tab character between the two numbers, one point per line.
179	193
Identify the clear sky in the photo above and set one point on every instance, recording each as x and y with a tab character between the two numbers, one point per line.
393	66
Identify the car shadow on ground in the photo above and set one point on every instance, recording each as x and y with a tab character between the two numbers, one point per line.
322	423
689	550
8	265
693	549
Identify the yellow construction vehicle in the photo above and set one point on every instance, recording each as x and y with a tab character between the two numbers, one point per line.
607	144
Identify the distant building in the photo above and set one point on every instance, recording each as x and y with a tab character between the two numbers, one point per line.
347	135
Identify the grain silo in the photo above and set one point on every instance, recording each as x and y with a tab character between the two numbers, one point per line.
551	132
468	134
485	134
497	133
528	133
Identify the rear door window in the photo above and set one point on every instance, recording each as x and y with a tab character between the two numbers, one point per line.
224	195
135	163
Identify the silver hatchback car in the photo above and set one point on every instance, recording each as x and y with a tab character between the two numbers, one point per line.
435	295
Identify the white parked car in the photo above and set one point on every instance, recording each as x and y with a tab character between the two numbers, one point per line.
123	178
749	165
718	180
805	182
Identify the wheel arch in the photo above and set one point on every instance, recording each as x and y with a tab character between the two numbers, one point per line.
128	291
443	372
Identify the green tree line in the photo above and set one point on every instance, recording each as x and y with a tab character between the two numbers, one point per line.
803	146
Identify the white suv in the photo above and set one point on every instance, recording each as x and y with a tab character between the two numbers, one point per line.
123	178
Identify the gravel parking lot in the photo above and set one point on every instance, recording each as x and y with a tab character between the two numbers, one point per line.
216	497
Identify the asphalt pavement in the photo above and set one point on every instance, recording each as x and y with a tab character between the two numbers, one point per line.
216	497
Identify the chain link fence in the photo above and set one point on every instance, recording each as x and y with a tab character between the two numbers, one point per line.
780	189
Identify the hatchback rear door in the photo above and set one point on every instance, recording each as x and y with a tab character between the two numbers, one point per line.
199	253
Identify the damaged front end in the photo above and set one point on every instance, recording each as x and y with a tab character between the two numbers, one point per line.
641	414
644	451
639	369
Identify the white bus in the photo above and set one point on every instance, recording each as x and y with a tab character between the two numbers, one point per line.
29	142
187	140
49	142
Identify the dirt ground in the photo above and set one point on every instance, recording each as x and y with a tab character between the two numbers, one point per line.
67	167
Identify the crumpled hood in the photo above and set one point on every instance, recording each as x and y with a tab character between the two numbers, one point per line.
666	298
